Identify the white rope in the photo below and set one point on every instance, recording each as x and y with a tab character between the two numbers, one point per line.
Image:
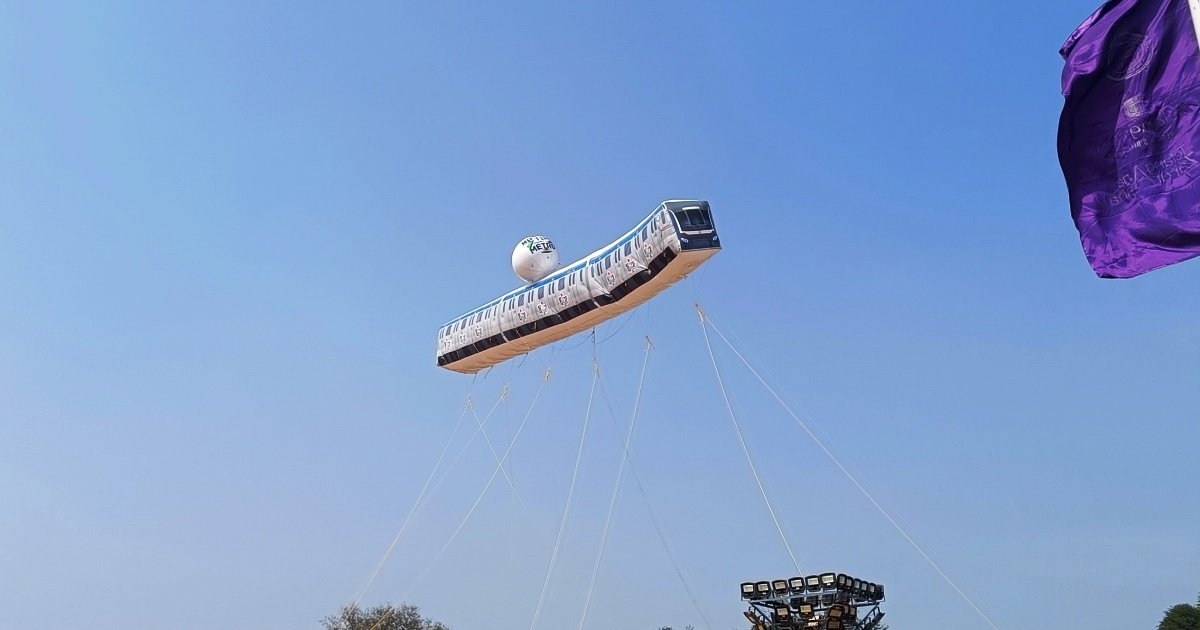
853	480
462	451
470	406
495	455
461	525
742	440
637	478
612	504
562	523
667	548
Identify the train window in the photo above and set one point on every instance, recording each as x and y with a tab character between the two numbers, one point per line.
694	217
521	300
628	248
607	262
561	283
541	292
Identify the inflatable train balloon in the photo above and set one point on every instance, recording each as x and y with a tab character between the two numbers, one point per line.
558	302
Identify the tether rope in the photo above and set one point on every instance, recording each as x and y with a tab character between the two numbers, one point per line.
662	538
742	440
616	487
462	451
562	523
847	473
486	487
495	455
470	406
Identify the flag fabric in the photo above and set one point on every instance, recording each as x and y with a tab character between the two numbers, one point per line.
1129	135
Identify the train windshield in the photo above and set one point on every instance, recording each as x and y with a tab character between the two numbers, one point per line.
693	218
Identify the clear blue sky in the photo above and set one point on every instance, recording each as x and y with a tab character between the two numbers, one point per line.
228	234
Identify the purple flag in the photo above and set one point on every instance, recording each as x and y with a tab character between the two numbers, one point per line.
1129	136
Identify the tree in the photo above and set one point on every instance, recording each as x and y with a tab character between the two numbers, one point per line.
1181	617
382	617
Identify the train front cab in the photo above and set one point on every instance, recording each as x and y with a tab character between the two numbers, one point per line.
694	220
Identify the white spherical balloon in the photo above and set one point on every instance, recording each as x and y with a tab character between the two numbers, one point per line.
534	258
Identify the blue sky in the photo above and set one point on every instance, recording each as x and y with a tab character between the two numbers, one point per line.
228	234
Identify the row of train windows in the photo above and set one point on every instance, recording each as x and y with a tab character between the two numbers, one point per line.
563	282
570	279
550	287
641	237
473	319
541	292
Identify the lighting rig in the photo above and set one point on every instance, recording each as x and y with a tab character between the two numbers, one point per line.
829	601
